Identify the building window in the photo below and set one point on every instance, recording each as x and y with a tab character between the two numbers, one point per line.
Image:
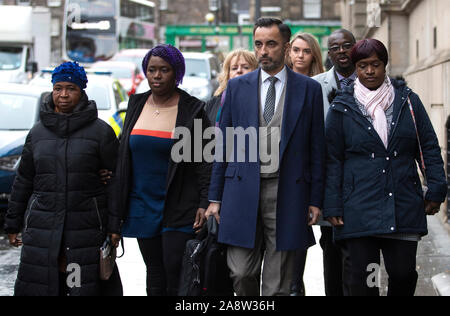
24	2
417	49
55	27
137	9
435	37
312	9
163	5
54	3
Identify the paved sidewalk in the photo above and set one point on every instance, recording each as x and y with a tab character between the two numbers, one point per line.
433	258
132	269
9	264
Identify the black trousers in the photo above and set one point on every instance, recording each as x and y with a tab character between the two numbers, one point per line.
335	267
163	257
399	259
297	284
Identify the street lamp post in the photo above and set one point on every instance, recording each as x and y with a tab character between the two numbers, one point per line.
210	17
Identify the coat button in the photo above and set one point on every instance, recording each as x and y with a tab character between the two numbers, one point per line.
390	194
384	171
370	128
392	228
387	158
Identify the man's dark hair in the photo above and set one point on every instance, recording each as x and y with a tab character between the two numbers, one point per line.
268	22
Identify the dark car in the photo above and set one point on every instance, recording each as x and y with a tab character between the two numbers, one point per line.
19	111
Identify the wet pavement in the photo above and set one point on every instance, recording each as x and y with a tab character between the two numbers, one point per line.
433	258
9	264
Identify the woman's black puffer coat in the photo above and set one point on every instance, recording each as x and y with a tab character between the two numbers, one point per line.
58	199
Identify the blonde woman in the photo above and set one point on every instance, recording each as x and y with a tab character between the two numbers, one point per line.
305	56
237	63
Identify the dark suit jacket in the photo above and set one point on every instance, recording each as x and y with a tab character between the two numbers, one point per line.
302	156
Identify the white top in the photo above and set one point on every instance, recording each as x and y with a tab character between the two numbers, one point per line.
279	86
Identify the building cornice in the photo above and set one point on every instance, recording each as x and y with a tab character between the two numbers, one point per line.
409	5
430	62
399	7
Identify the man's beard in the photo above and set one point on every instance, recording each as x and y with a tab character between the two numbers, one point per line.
273	65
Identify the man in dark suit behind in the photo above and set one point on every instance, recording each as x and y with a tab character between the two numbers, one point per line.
270	199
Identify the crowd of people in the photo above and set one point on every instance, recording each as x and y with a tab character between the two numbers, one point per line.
347	142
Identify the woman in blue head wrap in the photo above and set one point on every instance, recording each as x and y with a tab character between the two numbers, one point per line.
161	200
59	200
69	81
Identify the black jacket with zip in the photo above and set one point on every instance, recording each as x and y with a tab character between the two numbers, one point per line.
187	181
58	198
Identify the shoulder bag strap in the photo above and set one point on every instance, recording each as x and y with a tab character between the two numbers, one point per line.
422	161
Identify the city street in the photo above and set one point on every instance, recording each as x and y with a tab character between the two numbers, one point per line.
433	258
378	71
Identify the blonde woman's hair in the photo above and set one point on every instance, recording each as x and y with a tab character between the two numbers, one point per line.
225	74
317	63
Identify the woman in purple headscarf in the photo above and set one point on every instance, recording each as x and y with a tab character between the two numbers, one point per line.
158	199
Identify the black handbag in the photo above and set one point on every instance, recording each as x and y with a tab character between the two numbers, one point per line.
204	270
108	255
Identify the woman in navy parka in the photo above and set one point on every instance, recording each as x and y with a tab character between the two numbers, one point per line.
373	196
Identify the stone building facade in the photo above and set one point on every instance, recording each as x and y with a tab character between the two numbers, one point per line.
180	11
299	10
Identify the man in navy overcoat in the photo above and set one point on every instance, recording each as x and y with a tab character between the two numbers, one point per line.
271	205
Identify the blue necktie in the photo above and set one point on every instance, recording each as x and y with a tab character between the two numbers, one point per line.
346	82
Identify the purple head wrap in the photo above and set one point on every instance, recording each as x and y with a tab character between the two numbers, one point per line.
172	56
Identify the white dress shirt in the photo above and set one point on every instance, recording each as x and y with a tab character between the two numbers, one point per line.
279	86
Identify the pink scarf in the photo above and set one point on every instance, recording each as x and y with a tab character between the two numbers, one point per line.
376	103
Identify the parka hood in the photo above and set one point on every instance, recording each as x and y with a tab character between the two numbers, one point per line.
65	124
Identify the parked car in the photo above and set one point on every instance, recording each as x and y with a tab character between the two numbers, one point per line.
202	70
107	92
19	111
201	78
127	73
135	56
